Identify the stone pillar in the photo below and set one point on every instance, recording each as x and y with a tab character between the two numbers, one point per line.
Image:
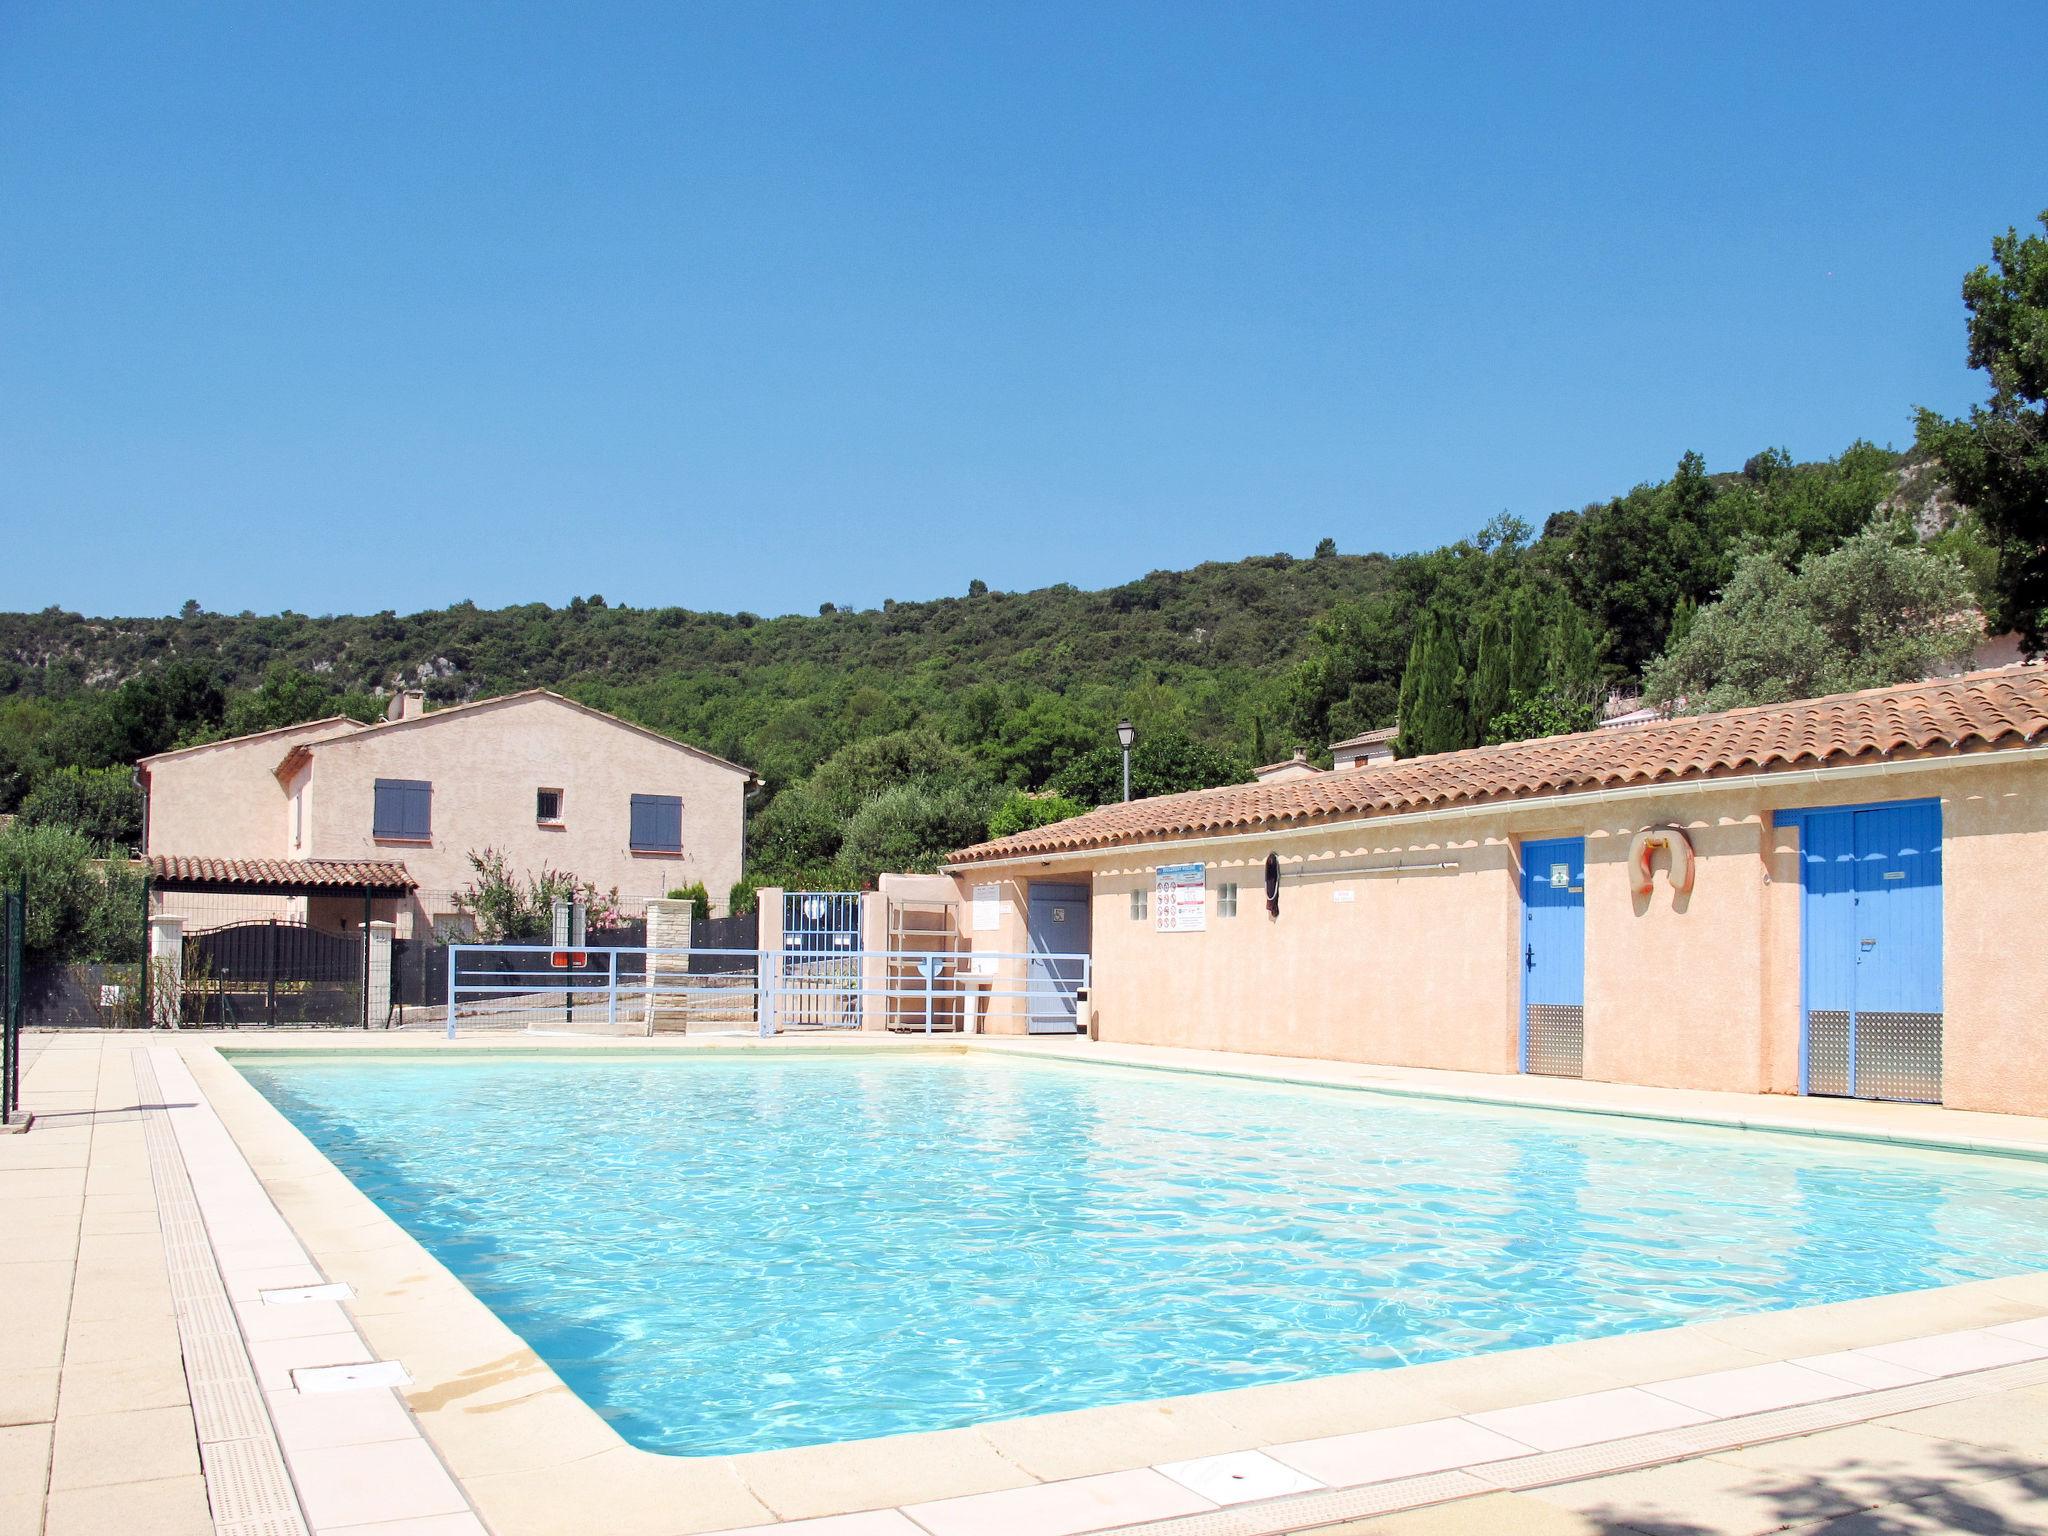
166	962
769	938
874	962
668	928
379	936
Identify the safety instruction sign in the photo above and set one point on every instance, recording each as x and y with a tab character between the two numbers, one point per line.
1181	898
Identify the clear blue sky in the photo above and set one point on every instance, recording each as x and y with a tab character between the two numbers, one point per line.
342	307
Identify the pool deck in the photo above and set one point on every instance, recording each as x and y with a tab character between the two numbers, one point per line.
175	1357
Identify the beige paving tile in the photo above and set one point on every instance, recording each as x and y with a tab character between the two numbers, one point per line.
877	1522
1862	1370
168	1507
2009	1507
115	1386
1574	1421
262	1322
428	1525
327	1419
1492	1514
2012	1423
145	1445
1078	1444
1752	1389
1870	1320
1508	1379
543	1429
876	1474
1630	1359
1377	1455
28	1396
153	1336
1694	1498
1302	1410
24	1475
1062	1508
1950	1354
1873	1463
1239	1477
377	1481
276	1359
640	1494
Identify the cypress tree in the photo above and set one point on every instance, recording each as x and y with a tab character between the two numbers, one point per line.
1433	713
1574	657
1490	693
1526	625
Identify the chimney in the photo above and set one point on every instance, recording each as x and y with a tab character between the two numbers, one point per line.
406	704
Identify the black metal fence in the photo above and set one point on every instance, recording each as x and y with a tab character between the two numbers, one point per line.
13	919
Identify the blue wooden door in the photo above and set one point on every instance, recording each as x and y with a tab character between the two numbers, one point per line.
1871	951
1554	956
1056	921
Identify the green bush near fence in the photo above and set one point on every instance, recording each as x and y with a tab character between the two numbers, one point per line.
698	898
81	909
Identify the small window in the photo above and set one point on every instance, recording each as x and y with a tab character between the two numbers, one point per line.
547	805
657	824
404	809
1226	899
1138	905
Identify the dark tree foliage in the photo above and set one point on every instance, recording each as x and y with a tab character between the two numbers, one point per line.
1996	458
1160	765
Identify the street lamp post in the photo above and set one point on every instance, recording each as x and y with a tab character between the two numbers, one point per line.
1126	733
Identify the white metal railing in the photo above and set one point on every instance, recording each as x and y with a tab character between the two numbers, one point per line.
537	988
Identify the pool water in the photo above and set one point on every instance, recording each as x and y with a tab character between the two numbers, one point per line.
729	1254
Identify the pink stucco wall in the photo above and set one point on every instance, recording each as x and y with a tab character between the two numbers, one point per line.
486	763
1694	991
223	801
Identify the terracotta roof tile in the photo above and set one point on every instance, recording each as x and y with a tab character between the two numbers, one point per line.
313	874
1980	712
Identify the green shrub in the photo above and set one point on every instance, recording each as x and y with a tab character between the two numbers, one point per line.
698	898
507	908
102	805
1020	812
80	911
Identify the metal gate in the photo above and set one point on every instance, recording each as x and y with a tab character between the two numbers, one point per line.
273	972
819	983
1554	957
1871	954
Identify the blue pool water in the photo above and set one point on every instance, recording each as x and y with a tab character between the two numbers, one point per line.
736	1254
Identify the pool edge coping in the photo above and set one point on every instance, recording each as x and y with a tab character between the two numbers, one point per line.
350	1237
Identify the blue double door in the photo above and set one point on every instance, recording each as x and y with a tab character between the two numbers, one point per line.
1554	957
1871	951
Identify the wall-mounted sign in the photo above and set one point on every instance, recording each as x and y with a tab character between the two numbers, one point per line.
1181	898
988	908
1344	893
110	995
1560	876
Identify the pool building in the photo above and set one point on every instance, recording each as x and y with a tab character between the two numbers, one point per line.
1842	896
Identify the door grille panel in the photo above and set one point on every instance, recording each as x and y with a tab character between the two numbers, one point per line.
1827	1052
1557	1040
1898	1056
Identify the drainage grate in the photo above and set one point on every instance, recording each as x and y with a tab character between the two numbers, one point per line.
246	1482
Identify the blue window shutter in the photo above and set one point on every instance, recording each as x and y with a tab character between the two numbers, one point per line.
657	823
403	808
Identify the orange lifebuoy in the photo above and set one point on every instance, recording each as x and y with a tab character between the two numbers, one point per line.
1675	843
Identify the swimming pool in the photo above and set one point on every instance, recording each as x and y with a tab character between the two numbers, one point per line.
739	1253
